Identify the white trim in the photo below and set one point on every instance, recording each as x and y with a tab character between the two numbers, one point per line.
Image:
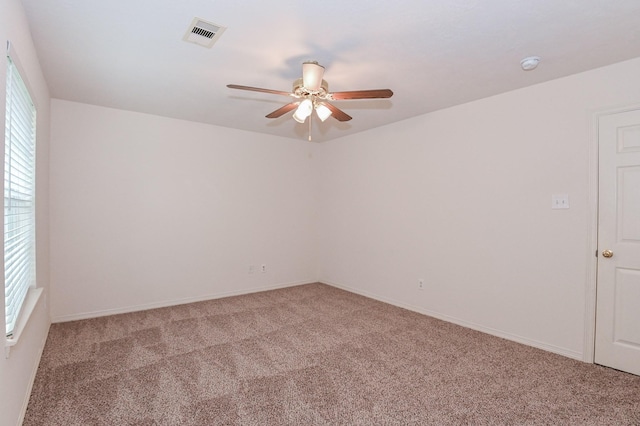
592	247
592	232
11	52
492	331
28	306
32	379
166	303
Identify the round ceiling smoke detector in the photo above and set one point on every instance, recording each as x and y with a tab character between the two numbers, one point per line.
530	63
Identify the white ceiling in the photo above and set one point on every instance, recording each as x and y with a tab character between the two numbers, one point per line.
432	53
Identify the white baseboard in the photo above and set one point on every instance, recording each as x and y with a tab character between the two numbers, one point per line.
166	303
492	331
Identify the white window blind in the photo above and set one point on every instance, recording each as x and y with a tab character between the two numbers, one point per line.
19	195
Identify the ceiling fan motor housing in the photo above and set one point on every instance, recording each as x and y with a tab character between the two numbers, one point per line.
300	91
312	73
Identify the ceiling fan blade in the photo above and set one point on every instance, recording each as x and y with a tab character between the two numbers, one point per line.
361	94
283	110
258	89
337	113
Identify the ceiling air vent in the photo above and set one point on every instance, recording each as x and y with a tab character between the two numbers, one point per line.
203	33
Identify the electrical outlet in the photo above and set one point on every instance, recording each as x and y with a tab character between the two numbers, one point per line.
421	284
560	201
263	268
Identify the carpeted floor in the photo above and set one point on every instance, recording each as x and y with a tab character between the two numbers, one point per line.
311	355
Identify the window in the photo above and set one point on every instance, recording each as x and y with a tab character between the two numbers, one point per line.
19	195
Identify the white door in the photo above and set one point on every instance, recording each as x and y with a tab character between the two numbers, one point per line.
618	286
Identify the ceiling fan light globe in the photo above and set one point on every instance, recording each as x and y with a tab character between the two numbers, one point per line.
323	112
304	110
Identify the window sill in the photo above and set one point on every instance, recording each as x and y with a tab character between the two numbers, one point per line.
30	302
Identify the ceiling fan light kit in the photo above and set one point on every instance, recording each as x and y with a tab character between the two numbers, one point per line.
303	111
323	111
311	93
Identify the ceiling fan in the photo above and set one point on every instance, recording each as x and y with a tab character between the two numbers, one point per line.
311	93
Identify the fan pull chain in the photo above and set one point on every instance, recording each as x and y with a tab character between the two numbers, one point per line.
310	120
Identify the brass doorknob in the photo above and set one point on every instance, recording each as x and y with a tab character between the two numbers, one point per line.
607	253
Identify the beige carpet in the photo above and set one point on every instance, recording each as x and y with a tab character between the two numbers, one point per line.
311	355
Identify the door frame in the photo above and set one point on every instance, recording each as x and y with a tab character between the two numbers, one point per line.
589	350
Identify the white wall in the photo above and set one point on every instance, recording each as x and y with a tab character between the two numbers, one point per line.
17	371
462	199
148	211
